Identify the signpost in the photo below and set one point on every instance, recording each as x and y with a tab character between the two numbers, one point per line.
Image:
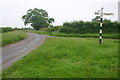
100	12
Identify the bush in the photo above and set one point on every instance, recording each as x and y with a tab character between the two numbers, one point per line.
56	28
5	29
89	27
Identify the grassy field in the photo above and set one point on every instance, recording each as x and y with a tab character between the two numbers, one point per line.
0	39
11	37
68	57
109	36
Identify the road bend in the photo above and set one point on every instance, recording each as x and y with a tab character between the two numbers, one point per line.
13	52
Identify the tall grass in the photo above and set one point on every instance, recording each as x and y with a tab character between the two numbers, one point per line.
11	37
68	58
0	39
0	57
109	36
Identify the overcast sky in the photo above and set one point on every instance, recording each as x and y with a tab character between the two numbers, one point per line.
11	11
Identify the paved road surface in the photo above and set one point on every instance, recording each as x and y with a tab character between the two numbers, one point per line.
15	51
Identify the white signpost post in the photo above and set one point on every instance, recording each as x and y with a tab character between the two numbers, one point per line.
100	12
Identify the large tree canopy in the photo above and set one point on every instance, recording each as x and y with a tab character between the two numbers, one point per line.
37	18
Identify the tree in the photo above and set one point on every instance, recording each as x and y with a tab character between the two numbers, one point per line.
97	18
37	18
50	21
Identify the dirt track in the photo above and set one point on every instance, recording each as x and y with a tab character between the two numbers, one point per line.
15	51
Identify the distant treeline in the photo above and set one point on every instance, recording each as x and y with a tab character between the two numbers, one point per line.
5	29
8	29
89	27
80	27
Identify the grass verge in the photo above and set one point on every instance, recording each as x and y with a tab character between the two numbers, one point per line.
68	58
96	35
11	37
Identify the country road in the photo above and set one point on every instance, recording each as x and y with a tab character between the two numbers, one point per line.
15	51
